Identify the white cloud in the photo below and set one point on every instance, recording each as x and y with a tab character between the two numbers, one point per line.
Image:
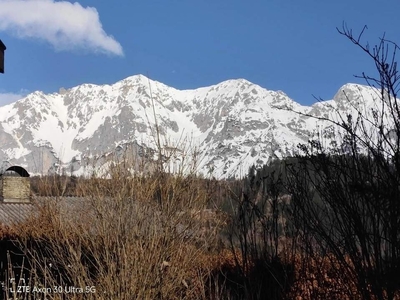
63	24
7	98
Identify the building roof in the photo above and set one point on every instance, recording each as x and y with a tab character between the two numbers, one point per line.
13	213
2	46
71	208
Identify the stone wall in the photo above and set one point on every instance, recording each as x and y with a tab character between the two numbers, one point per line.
15	189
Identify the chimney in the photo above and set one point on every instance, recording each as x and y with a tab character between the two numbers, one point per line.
15	186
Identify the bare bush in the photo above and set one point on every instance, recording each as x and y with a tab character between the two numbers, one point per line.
126	236
347	203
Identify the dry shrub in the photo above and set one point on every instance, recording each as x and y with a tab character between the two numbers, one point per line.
7	232
153	237
128	237
54	185
323	277
320	278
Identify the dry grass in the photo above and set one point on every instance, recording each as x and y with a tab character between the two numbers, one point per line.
137	238
131	246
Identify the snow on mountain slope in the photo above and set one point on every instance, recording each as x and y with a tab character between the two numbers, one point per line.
231	125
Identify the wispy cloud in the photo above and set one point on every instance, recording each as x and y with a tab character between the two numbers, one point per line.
65	25
7	98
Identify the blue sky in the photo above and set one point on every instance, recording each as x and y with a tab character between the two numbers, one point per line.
291	46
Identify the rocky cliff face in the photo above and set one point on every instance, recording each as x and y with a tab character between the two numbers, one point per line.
227	127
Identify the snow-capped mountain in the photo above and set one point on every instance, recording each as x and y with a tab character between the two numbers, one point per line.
225	128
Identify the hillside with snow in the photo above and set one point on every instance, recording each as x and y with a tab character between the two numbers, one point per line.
226	127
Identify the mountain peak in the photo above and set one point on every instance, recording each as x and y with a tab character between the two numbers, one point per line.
136	79
352	94
236	81
352	88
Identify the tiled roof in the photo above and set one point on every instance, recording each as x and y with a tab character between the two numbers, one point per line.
11	213
72	208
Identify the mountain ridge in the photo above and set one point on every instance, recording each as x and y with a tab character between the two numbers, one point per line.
233	124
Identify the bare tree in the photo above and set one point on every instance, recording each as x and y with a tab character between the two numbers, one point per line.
256	234
348	201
